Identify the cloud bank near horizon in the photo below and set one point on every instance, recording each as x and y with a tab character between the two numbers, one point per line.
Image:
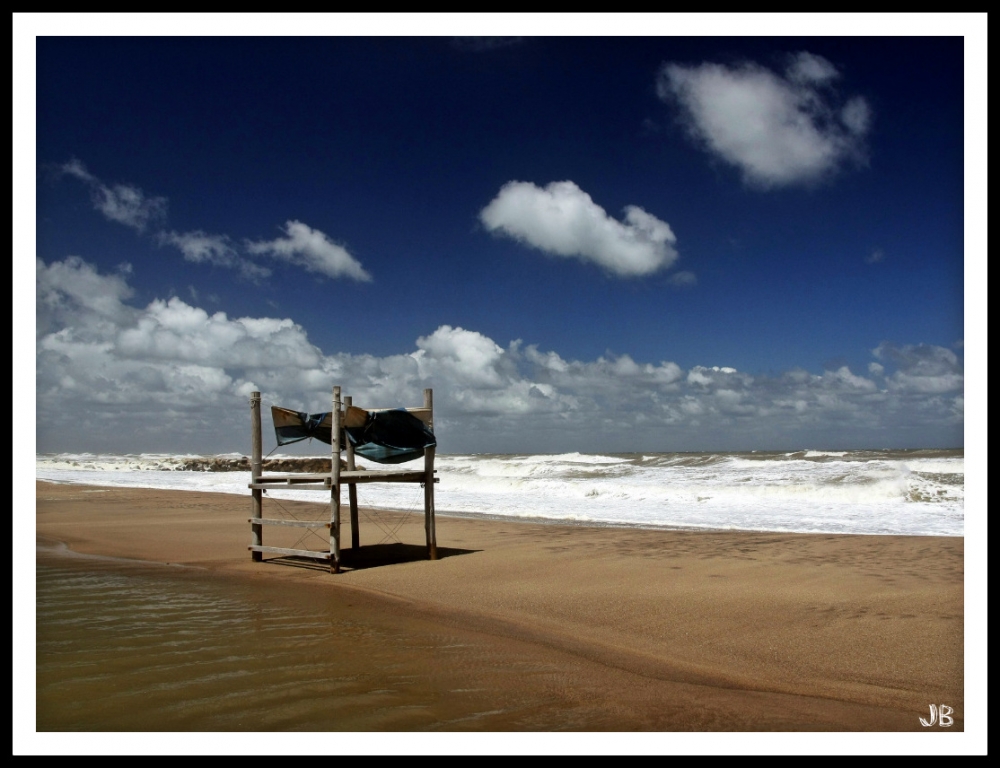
172	377
779	130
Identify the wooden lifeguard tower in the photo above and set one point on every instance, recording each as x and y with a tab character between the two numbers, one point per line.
332	481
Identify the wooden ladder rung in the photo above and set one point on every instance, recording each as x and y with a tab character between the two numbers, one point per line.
292	523
283	551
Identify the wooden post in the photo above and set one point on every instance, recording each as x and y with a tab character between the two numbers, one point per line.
256	529
352	489
335	484
429	484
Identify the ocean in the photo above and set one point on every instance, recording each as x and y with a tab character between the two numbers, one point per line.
901	492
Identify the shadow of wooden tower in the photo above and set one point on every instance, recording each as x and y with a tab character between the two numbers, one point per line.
344	414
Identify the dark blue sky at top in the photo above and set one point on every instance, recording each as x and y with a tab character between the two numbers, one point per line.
392	146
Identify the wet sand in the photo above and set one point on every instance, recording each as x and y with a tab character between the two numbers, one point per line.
538	627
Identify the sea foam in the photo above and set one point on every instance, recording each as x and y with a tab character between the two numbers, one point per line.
863	492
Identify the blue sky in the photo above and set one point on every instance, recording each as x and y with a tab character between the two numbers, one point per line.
592	243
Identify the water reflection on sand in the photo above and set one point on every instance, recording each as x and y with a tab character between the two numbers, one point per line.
141	647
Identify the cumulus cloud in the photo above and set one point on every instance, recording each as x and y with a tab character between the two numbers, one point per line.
313	251
922	368
857	116
71	293
171	376
175	331
124	203
467	356
202	248
844	376
705	377
807	69
779	130
563	220
613	379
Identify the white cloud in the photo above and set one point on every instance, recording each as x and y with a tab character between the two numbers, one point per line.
124	203
843	376
175	331
922	368
170	376
806	68
856	115
202	248
76	168
614	378
777	130
72	293
562	219
468	356
313	251
732	402
715	375
303	246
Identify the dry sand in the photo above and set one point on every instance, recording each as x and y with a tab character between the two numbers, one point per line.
638	630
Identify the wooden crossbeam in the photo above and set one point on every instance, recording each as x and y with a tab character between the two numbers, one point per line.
292	523
283	551
347	477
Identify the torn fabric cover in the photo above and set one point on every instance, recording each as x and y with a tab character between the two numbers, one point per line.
386	437
391	437
292	426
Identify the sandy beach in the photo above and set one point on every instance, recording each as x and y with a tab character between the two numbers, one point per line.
524	626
